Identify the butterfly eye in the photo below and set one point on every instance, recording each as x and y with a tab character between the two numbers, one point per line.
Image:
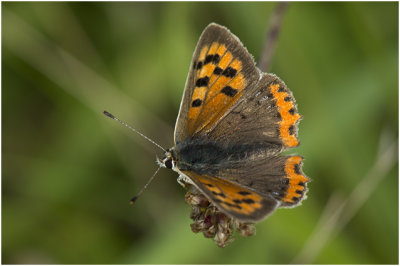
168	163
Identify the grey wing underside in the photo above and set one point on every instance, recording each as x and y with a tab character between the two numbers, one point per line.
279	177
254	119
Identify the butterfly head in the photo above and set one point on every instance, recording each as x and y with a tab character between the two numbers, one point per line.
168	161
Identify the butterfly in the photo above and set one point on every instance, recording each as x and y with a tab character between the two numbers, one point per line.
233	123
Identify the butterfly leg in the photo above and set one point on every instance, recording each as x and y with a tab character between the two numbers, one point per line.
184	180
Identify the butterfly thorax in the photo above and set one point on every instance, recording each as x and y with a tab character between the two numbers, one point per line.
207	157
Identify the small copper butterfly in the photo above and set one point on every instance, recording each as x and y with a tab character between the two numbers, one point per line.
233	123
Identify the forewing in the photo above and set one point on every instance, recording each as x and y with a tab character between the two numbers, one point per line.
241	203
221	71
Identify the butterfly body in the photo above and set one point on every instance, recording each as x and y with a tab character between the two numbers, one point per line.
233	123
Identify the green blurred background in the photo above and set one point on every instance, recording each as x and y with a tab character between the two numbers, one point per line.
68	172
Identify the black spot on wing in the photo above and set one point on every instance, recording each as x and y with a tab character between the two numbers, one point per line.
229	72
296	199
199	65
208	59
214	58
202	82
248	201
291	130
232	205
196	103
297	171
222	195
229	91
217	71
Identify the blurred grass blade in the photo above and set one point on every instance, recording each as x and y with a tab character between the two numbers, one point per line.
73	76
338	212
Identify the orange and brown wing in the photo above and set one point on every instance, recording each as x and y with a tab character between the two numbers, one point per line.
234	200
266	114
250	190
297	182
228	99
281	177
220	73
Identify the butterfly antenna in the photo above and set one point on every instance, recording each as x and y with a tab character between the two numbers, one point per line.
133	200
134	130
